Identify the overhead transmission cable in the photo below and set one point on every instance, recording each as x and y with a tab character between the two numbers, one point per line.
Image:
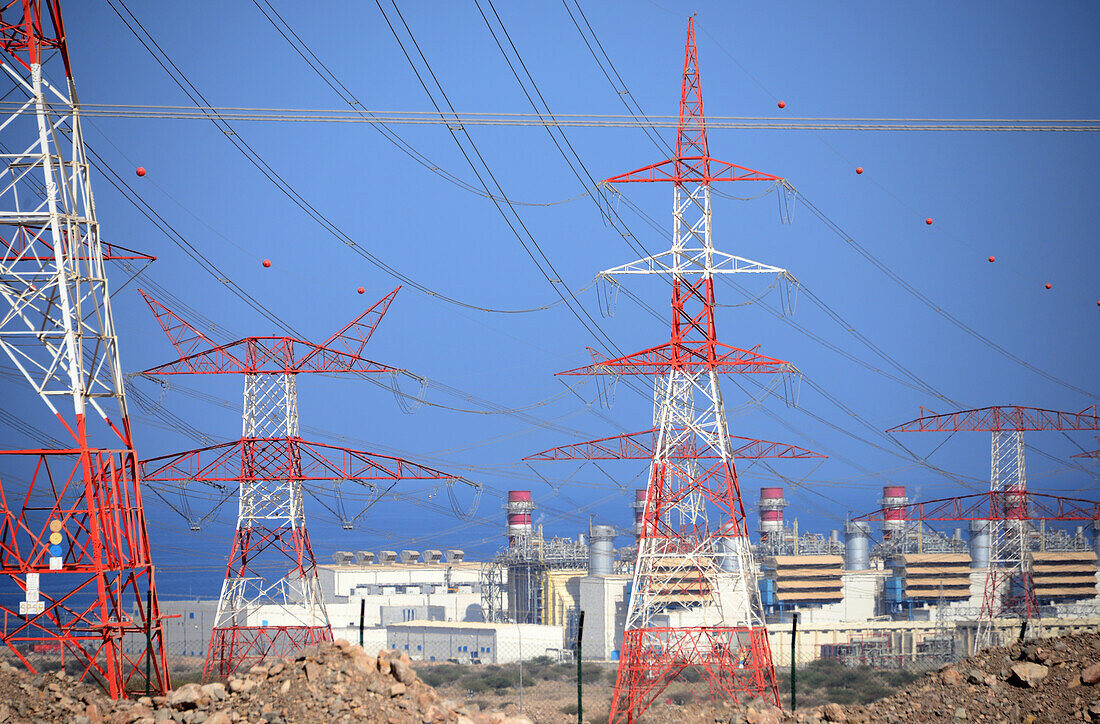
196	96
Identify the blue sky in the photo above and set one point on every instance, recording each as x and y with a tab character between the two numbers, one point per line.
1020	197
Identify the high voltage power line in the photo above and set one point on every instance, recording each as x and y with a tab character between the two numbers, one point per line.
563	120
202	112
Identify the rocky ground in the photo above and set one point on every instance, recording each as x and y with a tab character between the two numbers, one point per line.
1042	681
1038	682
333	683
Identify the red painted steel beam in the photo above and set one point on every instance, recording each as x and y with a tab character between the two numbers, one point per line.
692	169
639	446
1003	419
269	355
318	462
991	506
688	356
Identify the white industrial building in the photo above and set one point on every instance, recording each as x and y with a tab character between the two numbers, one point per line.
466	643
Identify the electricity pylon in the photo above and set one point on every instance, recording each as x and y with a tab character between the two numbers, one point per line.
271	602
72	532
694	600
1009	588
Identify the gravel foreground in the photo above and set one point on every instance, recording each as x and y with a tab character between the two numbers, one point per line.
1040	681
332	683
1037	682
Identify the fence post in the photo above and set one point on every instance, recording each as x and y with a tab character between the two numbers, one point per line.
794	658
362	615
519	639
580	700
148	639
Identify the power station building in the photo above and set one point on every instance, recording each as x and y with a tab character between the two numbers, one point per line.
906	591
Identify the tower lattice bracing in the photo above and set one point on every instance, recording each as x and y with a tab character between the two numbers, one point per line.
73	540
271	603
1009	591
694	600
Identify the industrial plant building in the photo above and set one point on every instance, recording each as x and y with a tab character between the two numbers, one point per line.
902	592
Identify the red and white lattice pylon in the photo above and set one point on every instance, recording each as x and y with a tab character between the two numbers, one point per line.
73	541
1009	589
271	602
694	600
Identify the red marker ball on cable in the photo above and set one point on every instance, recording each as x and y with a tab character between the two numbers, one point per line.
361	290
928	221
267	263
859	169
782	104
1049	285
140	171
992	259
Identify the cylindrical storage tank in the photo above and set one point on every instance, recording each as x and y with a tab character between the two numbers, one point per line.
601	550
857	546
728	560
639	510
771	511
518	509
1015	502
979	544
893	501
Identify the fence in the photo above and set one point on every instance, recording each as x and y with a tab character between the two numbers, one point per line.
833	662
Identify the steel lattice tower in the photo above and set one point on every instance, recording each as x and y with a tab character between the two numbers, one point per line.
694	601
1009	590
271	602
72	536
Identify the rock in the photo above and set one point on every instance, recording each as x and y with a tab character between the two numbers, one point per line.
403	672
951	677
1091	674
976	677
218	717
1027	674
961	714
185	697
384	662
396	689
313	671
216	691
276	668
833	712
1094	710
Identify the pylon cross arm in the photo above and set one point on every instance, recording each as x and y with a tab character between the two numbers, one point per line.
686	262
692	169
689	357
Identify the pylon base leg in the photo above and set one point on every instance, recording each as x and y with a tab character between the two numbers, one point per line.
735	663
239	648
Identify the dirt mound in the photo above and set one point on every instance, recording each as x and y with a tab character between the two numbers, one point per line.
1040	681
332	683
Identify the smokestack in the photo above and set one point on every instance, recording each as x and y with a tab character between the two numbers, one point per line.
601	550
893	501
639	511
771	506
857	546
979	544
519	509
